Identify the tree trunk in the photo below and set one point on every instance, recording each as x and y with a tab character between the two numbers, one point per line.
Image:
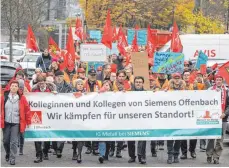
18	34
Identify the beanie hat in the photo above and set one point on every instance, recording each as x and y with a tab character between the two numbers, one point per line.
54	60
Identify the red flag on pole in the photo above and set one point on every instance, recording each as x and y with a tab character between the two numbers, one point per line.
70	55
122	42
53	48
224	71
31	40
114	38
135	43
151	43
176	45
79	29
107	33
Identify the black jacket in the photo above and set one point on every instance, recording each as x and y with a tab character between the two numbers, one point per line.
44	62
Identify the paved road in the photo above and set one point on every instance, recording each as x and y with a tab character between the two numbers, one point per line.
92	161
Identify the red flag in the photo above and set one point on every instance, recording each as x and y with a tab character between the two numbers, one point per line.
114	38
114	68
176	45
214	66
192	77
135	43
107	33
79	29
31	40
203	69
151	43
122	42
53	48
70	55
224	71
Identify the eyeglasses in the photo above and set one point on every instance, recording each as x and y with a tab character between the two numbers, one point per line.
121	76
138	82
93	74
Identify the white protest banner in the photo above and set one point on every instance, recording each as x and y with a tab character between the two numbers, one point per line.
125	116
93	52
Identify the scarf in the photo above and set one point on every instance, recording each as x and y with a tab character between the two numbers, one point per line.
223	96
59	86
13	98
119	85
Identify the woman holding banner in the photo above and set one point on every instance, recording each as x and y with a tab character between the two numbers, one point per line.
78	145
120	84
15	116
104	147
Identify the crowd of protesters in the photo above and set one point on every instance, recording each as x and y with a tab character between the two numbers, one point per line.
49	77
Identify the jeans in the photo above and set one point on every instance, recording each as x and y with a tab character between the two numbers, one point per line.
10	139
173	147
102	149
215	147
192	146
38	147
58	146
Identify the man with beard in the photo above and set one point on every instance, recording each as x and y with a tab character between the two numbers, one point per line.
138	86
62	87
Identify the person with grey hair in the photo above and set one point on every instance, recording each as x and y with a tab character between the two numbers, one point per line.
61	87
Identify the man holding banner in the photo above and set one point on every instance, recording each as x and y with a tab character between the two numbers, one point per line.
173	147
62	87
138	86
214	150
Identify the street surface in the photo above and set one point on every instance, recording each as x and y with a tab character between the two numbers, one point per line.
92	161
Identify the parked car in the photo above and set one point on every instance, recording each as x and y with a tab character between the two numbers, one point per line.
14	44
18	53
7	71
28	63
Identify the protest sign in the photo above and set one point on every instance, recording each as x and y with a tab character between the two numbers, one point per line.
202	59
168	62
95	34
94	116
141	36
140	66
94	65
92	52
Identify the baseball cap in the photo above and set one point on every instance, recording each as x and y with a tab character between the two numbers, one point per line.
91	71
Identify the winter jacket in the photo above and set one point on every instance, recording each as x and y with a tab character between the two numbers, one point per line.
96	86
27	85
67	88
50	87
24	111
44	62
164	86
67	78
226	112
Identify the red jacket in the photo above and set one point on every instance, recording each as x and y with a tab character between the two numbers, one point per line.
24	110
